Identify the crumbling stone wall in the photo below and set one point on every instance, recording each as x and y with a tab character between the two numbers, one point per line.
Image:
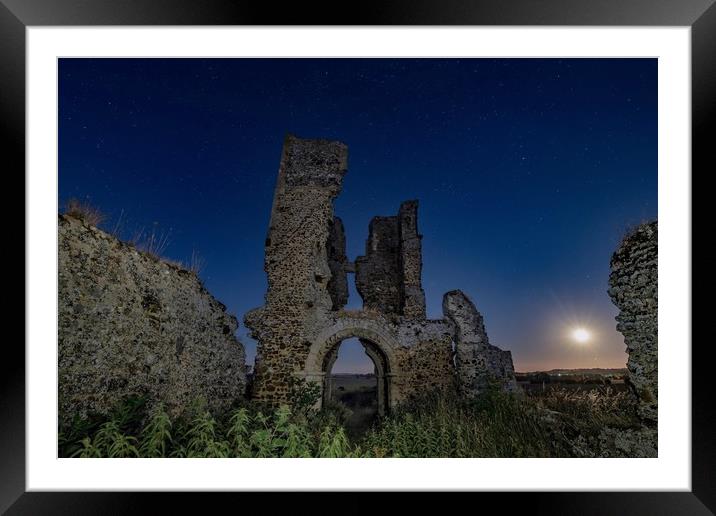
478	363
388	277
130	324
633	288
296	262
303	320
378	272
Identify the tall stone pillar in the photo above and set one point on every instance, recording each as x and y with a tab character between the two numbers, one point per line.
296	262
411	261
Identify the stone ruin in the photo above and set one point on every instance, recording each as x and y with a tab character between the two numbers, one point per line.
633	287
303	321
131	324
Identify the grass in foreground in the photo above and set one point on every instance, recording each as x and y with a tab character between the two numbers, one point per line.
436	425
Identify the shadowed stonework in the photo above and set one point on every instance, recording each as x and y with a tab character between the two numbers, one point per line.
303	322
633	287
477	361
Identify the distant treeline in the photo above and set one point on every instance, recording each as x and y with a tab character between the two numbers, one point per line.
607	377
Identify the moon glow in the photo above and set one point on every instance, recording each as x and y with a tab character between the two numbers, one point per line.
581	335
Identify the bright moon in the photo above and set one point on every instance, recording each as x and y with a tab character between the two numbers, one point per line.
580	335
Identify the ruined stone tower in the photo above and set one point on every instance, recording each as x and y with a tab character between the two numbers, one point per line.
388	277
296	261
303	320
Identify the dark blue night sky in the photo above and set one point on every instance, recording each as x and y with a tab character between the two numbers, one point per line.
528	172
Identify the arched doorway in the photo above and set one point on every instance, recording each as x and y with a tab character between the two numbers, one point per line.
379	343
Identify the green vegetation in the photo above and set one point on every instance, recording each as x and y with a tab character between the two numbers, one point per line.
437	425
246	431
495	425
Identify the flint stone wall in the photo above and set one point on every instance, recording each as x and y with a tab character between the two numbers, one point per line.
337	263
478	363
633	288
130	324
378	271
411	262
297	263
388	276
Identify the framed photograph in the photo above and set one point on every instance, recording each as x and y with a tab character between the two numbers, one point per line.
417	250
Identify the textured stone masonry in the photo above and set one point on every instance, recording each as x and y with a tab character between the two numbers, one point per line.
633	287
412	296
130	324
478	363
338	264
296	262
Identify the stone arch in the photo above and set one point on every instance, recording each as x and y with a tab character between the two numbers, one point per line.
382	372
380	345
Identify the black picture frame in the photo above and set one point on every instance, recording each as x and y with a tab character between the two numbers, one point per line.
17	15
